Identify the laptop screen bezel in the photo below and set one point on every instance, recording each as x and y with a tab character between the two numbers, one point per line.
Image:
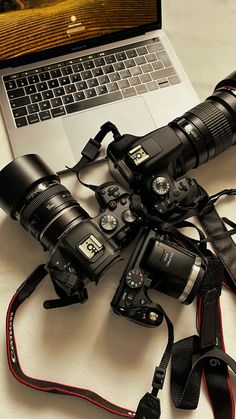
83	45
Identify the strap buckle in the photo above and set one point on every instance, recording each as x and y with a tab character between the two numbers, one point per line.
158	378
90	151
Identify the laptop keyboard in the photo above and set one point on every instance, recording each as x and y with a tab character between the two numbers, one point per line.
82	83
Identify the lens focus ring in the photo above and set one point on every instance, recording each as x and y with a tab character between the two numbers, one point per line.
216	122
39	200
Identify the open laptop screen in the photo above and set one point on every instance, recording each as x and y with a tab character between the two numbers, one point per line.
33	26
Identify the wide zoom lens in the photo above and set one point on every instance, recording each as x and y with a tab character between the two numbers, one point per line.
209	128
31	193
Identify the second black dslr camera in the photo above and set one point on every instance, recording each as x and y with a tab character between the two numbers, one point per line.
81	247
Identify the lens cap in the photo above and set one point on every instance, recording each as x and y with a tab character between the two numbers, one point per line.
18	177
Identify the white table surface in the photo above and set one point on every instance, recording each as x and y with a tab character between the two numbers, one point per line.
87	345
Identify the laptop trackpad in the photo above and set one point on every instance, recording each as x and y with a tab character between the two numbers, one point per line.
131	116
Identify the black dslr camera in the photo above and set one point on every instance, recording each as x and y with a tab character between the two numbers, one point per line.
81	247
152	166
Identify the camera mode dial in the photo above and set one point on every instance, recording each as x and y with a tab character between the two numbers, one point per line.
161	185
135	278
108	222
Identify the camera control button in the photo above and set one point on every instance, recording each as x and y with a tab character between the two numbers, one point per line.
129	216
112	204
108	222
116	193
123	201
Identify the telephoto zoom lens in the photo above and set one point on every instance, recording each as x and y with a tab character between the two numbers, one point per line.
209	128
31	193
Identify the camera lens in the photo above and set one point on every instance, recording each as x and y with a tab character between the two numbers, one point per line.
209	128
32	193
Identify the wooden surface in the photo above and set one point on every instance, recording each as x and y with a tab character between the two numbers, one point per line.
47	22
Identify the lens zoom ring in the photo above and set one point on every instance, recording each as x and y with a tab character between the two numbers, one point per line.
39	200
217	124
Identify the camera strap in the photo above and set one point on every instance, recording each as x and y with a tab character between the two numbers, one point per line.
212	361
149	405
219	236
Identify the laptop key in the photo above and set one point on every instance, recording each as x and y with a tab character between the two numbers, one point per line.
79	96
99	62
44	105
30	89
142	51
37	97
141	88
58	111
75	77
96	101
134	81
44	76
20	112
125	73
155	47
110	59
129	92
103	80
10	85
130	63
47	95
68	99
108	69
151	57
90	93
13	94
159	74
22	101
123	84
66	70
33	108
32	119
112	87
56	73
52	84
157	65
147	68
97	72
145	78
174	79
64	80
162	55
81	85
44	115
22	82
114	77
41	86
88	65
131	53
21	122
152	85
119	66
77	67
70	88
101	90
86	74
33	79
136	71
56	102
92	83
121	56
59	91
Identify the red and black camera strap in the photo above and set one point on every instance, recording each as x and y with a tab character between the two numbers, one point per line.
149	405
204	356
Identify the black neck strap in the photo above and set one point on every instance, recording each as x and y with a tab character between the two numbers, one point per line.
149	405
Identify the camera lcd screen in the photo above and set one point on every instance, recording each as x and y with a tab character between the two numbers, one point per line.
31	26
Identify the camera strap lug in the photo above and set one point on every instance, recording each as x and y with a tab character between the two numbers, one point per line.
149	407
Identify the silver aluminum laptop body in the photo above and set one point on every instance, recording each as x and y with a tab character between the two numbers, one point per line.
60	139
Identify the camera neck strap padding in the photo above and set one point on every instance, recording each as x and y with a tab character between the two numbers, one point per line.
149	405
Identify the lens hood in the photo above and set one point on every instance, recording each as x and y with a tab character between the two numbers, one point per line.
18	176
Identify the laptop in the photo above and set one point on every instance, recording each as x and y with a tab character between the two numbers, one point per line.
67	67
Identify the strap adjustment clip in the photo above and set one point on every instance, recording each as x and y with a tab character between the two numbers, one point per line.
90	151
158	378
